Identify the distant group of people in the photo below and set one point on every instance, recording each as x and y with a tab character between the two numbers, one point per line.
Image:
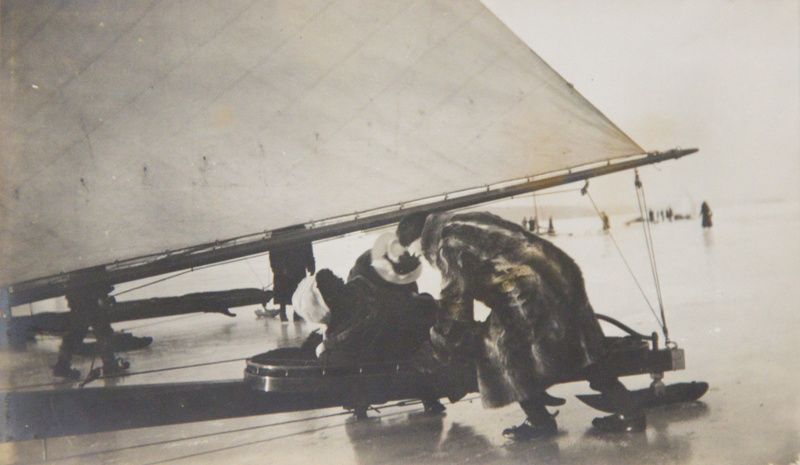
532	225
663	215
656	216
669	215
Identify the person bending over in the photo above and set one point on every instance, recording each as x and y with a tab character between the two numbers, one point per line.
541	326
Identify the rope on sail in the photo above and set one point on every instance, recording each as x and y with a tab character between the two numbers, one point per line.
586	192
648	234
197	268
150	283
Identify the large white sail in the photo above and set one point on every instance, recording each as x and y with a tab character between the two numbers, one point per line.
128	128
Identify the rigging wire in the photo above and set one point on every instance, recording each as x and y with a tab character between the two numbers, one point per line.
405	403
150	283
211	265
288	435
198	436
195	455
197	268
258	278
122	374
240	430
648	233
585	191
12	389
173	441
160	370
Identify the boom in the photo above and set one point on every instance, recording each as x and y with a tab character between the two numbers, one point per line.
220	251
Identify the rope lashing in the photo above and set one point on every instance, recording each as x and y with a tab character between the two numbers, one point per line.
641	200
585	191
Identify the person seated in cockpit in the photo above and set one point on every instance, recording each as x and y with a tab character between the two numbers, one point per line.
378	315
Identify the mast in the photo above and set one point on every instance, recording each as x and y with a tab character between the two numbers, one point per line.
224	250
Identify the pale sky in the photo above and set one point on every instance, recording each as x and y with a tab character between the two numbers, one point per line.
714	74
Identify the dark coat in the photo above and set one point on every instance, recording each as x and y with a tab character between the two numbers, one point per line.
289	266
541	324
372	320
705	212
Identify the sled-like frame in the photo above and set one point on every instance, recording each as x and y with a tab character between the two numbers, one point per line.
291	370
271	372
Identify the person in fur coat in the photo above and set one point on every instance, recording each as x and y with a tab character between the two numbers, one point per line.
541	324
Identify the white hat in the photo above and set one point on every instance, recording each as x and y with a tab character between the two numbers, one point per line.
385	254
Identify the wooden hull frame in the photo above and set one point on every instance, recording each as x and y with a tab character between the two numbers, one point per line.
361	383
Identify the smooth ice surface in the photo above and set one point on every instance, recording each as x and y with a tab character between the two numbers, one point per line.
731	298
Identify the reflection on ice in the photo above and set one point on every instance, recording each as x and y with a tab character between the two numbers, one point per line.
708	237
417	438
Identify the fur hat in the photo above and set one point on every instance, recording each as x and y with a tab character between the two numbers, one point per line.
410	227
392	261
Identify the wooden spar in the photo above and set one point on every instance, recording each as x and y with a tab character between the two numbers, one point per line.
128	310
143	267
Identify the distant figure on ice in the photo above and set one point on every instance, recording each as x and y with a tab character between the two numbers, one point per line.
88	307
541	326
606	222
651	216
669	213
534	225
289	266
638	219
525	223
705	212
551	231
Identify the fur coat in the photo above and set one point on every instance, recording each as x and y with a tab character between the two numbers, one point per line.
541	324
